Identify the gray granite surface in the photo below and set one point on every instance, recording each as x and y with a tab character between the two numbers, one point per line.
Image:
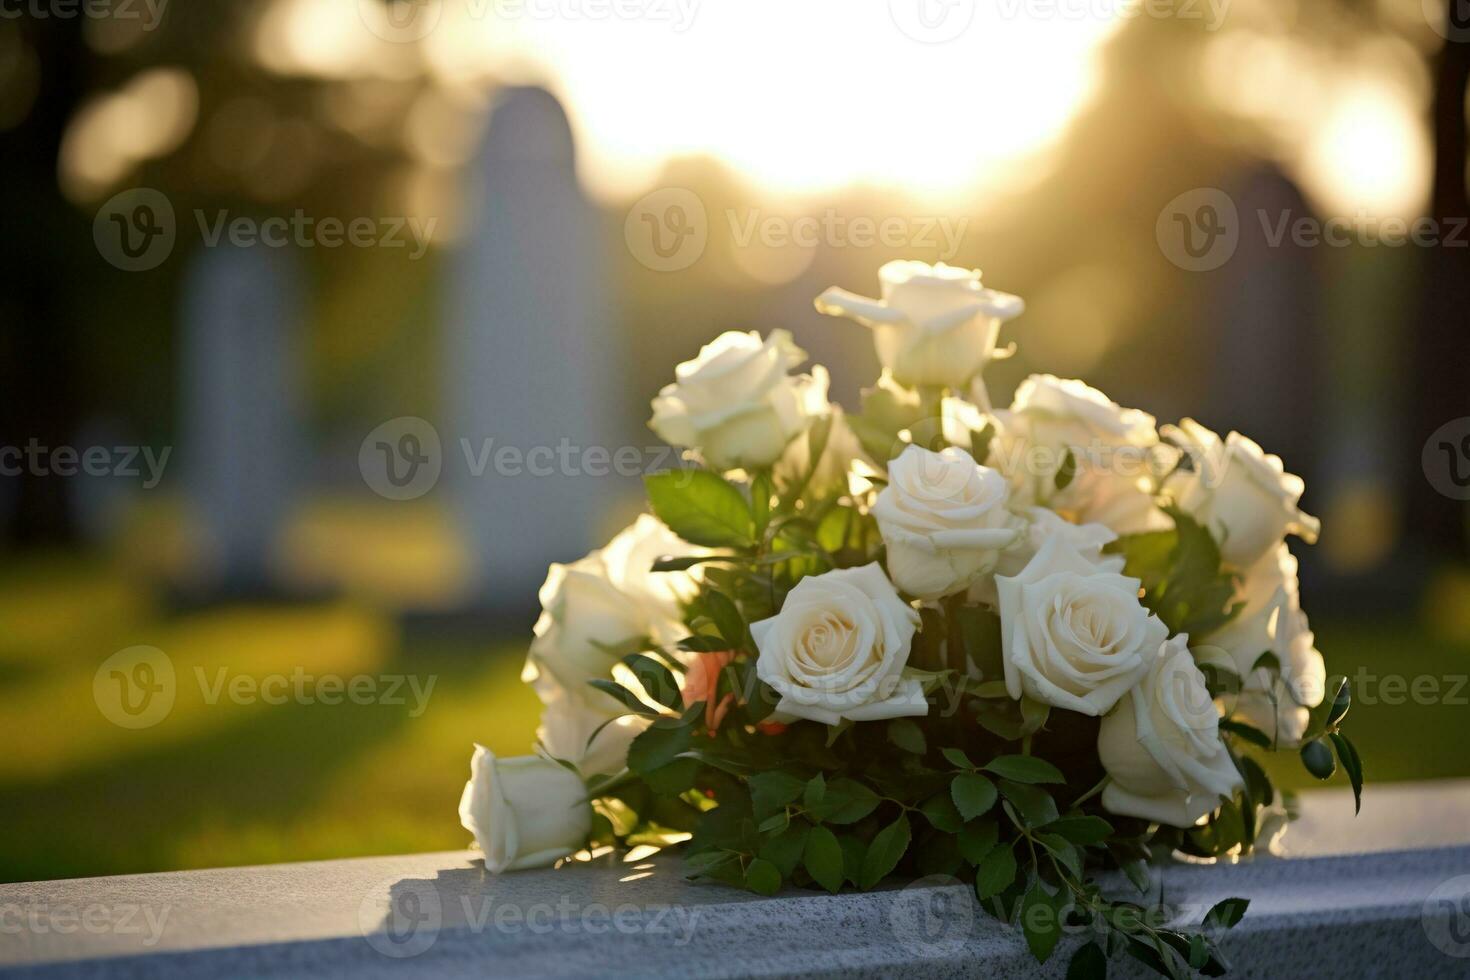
1401	911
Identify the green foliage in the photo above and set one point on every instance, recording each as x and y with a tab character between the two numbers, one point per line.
1184	584
702	508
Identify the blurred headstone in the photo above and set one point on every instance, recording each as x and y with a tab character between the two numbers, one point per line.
240	402
530	360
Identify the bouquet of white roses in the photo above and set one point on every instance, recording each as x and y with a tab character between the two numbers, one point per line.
1016	646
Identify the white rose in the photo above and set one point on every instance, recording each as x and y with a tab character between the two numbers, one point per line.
629	559
841	450
1272	621
934	325
525	812
1162	747
1241	493
944	520
1074	635
1040	525
838	647
736	404
572	731
1115	453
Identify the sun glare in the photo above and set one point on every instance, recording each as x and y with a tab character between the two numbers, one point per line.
797	97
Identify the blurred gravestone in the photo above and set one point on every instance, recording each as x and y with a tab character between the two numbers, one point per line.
530	360
240	398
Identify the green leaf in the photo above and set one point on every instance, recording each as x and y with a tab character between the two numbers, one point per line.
1088	963
1340	704
995	873
776	823
657	745
1227	913
704	643
656	679
1067	472
815	792
628	699
980	443
885	851
1251	734
1268	661
822	858
668	563
1024	769
907	735
938	854
727	619
979	630
1035	805
1334	692
956	758
1082	830
844	801
674	778
1347	753
1064	851
940	811
1041	919
785	849
701	507
772	790
978	839
973	794
762	877
1317	757
760	499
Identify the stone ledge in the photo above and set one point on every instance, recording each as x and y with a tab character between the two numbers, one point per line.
1343	913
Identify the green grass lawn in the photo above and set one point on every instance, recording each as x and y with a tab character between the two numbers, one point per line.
229	783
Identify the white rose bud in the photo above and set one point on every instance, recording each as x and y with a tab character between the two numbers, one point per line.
1162	747
525	812
1074	634
1241	493
944	520
574	732
934	325
736	404
838	648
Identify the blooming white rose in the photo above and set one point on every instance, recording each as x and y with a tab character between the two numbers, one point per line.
1272	621
934	325
944	520
525	812
596	608
1241	493
736	404
1161	745
1040	525
1115	453
572	731
838	647
842	449
1074	635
